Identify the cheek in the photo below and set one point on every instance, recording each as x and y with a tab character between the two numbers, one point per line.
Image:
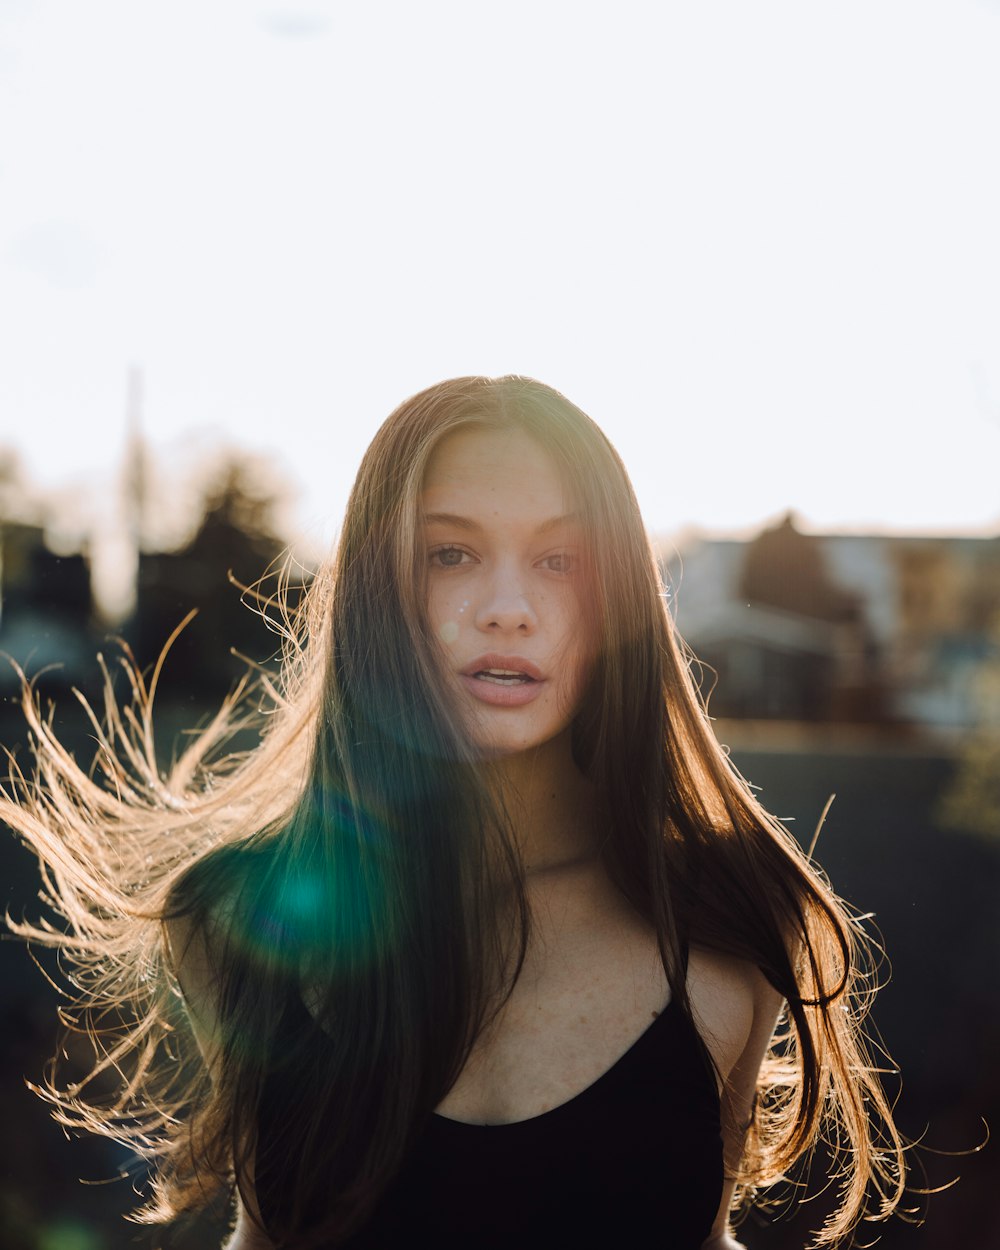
584	667
446	611
581	641
577	646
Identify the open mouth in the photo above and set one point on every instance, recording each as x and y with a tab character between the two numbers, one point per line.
503	680
502	677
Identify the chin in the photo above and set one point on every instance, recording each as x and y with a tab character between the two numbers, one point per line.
496	746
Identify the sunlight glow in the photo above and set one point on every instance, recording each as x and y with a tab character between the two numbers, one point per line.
756	242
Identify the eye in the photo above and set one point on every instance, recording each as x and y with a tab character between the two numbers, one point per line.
560	562
449	557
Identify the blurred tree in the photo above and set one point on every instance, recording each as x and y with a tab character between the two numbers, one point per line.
972	801
12	488
46	613
786	569
235	545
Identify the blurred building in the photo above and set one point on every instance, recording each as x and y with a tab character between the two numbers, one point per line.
862	628
790	626
48	623
46	610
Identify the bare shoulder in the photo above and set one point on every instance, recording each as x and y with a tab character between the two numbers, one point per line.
247	1234
191	955
733	1005
198	917
196	971
735	1010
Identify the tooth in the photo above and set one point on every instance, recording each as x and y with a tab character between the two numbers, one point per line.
502	676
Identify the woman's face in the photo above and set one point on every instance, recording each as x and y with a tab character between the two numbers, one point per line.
504	595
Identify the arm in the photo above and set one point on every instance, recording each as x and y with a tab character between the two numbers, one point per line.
247	1235
723	1240
198	982
736	1011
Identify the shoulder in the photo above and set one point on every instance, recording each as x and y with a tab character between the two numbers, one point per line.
195	965
733	1006
735	1010
198	920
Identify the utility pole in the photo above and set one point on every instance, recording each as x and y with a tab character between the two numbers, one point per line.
115	563
135	463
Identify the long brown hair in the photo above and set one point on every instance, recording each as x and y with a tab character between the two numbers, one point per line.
359	859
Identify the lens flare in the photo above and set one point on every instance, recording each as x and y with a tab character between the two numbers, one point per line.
320	903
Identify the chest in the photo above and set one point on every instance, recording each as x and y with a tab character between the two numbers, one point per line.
584	997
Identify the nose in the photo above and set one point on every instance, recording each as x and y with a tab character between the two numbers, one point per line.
505	607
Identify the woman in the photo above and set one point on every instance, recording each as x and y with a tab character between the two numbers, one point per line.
487	942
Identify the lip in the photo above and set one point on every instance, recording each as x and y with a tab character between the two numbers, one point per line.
502	696
516	664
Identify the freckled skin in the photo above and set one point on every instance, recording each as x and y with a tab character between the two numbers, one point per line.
503	578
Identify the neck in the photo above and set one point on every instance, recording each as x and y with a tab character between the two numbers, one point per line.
551	805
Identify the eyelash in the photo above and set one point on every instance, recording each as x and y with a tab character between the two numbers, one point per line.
564	556
443	551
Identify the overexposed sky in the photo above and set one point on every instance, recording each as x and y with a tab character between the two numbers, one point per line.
759	243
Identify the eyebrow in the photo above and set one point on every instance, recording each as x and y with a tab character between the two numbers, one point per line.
467	523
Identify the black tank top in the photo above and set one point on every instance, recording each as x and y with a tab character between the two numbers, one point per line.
634	1160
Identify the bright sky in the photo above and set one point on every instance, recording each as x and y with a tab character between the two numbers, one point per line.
759	243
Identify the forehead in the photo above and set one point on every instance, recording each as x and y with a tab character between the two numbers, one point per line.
483	473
